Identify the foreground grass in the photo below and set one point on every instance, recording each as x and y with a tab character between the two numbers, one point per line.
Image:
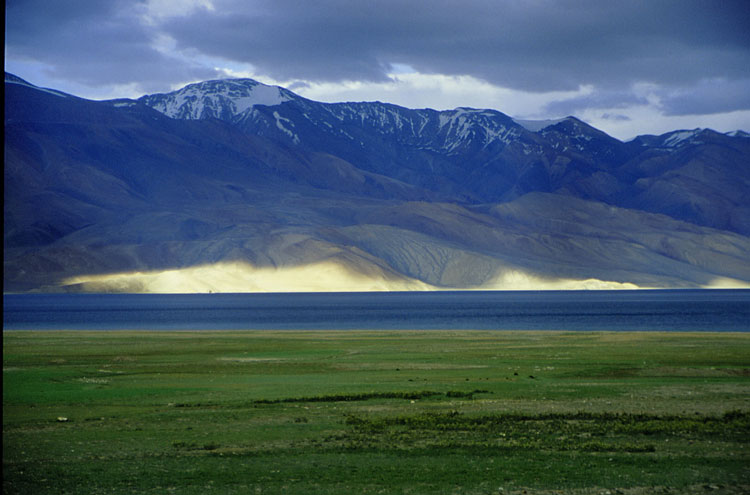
375	412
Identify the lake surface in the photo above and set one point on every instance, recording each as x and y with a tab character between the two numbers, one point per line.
643	310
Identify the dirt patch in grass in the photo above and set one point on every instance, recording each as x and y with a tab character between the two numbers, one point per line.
250	359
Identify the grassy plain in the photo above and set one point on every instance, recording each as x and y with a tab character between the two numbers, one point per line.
375	412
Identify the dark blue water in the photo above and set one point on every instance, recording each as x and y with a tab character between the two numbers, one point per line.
659	310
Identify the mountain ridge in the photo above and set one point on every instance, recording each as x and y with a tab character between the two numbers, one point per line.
383	196
505	159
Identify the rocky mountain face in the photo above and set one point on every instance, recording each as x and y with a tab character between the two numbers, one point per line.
236	173
477	156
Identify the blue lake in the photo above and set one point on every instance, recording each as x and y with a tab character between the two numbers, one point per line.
641	310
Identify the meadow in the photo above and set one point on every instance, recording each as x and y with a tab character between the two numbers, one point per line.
345	412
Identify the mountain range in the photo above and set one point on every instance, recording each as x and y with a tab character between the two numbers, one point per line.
233	185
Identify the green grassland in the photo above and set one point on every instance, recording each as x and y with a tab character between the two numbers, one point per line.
375	412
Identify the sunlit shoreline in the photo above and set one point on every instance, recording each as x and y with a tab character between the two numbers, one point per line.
324	276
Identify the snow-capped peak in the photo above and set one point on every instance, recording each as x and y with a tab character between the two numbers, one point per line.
224	98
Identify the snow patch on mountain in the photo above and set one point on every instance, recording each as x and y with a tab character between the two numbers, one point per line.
458	117
676	138
261	95
280	125
463	125
459	127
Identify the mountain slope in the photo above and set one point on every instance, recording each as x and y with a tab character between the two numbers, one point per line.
478	156
119	196
699	176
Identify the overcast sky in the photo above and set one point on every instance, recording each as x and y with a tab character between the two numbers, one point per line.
627	67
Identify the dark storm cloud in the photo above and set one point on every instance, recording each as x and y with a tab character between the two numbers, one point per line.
526	45
92	42
530	45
